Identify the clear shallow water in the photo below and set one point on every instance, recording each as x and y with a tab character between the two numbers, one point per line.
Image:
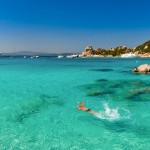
38	99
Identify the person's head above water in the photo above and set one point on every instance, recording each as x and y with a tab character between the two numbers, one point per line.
81	107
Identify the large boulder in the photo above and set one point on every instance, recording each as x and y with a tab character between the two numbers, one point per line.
145	68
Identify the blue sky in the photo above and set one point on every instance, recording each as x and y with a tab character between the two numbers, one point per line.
70	25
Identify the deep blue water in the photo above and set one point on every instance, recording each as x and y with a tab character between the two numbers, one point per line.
38	100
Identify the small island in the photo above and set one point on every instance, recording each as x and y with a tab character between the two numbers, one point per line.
142	50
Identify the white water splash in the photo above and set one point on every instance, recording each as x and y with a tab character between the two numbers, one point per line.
112	114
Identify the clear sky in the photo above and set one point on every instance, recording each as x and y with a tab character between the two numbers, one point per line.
70	25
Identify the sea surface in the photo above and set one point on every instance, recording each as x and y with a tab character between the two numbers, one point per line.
38	100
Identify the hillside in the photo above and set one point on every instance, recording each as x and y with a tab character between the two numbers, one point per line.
89	51
143	48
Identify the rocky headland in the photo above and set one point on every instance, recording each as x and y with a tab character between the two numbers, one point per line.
142	50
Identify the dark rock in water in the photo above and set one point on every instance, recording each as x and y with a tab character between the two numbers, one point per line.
102	70
141	91
127	83
45	96
123	88
26	114
99	92
52	100
95	93
118	84
102	80
115	85
137	95
90	86
30	108
139	83
27	110
134	98
125	72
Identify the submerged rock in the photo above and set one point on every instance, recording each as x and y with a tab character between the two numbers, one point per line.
33	106
141	91
99	92
102	80
139	94
102	70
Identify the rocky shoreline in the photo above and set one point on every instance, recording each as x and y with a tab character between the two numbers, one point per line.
141	51
146	55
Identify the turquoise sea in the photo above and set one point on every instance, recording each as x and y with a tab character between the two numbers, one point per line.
38	100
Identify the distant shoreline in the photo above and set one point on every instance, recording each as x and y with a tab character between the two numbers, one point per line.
142	51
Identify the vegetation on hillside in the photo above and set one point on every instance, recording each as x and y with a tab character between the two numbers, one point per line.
141	49
114	52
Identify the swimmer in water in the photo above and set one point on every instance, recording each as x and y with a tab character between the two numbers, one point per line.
83	108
